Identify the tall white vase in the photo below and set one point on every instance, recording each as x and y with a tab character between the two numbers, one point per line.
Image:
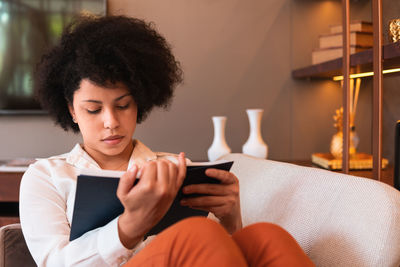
219	147
255	145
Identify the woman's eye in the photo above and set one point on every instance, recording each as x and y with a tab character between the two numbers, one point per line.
95	111
124	106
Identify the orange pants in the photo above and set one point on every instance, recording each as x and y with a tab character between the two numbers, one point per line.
202	242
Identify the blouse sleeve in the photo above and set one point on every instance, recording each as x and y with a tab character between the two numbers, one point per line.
46	229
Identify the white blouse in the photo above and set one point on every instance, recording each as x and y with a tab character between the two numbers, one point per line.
47	195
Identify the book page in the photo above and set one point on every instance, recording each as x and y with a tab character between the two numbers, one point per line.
118	174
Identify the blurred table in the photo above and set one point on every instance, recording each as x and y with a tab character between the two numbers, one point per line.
9	197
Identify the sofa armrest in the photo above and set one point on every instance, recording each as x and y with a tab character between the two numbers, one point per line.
13	249
338	219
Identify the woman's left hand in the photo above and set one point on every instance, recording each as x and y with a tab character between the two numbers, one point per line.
220	199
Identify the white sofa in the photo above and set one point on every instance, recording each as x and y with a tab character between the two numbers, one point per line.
338	219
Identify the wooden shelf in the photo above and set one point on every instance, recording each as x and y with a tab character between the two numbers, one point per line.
359	62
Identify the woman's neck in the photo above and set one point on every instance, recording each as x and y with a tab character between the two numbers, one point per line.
118	162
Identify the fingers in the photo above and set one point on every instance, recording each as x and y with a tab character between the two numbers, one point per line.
148	173
165	174
127	181
220	206
181	169
163	171
224	176
173	172
210	189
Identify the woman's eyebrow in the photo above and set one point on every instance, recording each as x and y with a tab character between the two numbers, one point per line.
100	102
92	101
119	98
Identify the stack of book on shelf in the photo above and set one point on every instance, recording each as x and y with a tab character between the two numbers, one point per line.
331	45
360	161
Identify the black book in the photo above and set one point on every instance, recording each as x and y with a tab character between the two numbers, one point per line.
96	202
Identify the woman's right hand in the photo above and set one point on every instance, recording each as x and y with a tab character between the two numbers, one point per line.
147	202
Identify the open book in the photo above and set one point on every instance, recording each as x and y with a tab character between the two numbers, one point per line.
96	202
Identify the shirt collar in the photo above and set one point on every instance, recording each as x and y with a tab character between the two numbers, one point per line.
79	158
141	154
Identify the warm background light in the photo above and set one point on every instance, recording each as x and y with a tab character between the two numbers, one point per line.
365	74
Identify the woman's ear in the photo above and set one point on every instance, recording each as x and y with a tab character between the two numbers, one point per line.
72	112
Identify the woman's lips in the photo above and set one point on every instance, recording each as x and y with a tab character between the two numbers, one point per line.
113	140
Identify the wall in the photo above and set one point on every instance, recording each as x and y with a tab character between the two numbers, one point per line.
235	55
32	137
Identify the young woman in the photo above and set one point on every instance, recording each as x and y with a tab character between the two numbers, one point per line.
105	75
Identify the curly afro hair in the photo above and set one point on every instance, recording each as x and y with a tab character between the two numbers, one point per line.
107	50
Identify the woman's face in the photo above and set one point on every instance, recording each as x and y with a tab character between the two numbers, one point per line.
106	118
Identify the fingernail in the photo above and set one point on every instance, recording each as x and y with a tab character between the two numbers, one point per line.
182	154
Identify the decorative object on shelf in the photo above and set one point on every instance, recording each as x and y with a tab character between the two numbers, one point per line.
336	147
255	145
219	147
333	160
394	30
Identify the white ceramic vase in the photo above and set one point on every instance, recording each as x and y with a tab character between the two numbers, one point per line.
219	147
255	145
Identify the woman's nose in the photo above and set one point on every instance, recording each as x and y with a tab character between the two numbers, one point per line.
110	119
